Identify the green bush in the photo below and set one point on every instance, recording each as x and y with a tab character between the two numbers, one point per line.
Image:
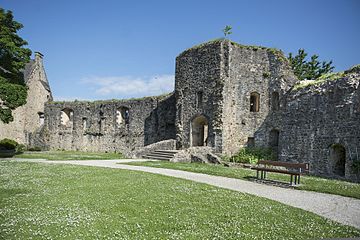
34	149
252	155
356	166
8	144
20	148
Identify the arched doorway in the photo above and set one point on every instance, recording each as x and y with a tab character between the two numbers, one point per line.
337	158
199	131
274	141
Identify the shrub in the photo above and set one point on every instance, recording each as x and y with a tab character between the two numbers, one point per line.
34	149
20	148
252	155
8	144
266	74
356	167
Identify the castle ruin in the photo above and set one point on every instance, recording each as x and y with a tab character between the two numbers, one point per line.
227	96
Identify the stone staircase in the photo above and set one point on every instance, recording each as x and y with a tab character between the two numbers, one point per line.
165	155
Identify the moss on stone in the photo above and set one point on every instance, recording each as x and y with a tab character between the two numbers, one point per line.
353	69
331	76
266	74
274	51
327	77
201	45
324	78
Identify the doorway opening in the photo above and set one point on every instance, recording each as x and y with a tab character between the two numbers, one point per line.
338	158
199	131
274	142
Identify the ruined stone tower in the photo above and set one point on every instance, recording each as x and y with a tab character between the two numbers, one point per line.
225	91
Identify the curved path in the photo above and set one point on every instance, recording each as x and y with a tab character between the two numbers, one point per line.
344	210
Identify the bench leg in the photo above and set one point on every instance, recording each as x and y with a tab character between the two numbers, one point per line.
257	174
265	175
291	179
299	179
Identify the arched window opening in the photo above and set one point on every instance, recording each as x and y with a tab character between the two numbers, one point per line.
101	120
84	122
338	158
199	98
275	102
254	102
66	117
199	131
122	116
102	124
180	113
41	118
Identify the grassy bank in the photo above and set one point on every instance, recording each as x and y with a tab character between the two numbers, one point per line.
309	183
69	155
40	201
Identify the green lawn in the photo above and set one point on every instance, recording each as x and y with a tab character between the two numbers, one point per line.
309	183
41	201
69	155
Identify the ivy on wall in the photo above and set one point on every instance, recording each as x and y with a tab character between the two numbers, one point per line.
12	96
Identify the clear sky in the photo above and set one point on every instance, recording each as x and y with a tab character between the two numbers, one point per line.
120	49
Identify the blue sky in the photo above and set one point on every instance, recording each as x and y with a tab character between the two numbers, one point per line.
120	49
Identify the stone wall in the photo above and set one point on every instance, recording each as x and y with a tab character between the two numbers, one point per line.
94	126
259	71
320	117
27	117
198	91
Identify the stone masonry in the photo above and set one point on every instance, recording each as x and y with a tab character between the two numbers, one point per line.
319	120
93	126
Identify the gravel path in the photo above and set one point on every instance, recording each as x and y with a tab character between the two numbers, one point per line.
344	210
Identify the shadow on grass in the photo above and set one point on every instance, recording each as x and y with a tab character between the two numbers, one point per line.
270	182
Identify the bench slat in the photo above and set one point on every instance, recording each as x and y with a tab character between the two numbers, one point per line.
302	166
276	170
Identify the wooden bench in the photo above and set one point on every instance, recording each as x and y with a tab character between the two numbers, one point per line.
292	169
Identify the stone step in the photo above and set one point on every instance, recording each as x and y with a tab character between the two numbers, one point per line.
161	154
167	151
157	158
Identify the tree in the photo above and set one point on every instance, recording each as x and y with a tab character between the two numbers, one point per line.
13	58
227	30
312	69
